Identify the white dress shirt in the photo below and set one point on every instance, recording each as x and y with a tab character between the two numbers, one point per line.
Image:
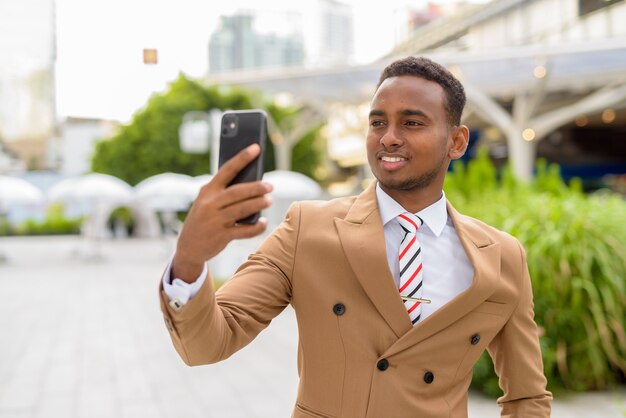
179	289
447	270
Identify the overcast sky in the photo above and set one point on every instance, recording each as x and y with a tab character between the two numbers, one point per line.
99	45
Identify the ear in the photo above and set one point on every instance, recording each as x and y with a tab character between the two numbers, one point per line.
459	140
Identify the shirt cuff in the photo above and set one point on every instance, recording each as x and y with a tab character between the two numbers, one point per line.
177	289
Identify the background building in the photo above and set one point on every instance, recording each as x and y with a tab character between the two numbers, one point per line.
412	16
255	39
329	33
318	34
542	77
79	136
546	79
27	92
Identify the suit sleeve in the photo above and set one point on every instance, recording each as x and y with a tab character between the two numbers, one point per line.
517	358
214	325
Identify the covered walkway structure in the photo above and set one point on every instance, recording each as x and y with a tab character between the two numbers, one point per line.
526	90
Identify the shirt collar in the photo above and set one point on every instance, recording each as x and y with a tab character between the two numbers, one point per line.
434	216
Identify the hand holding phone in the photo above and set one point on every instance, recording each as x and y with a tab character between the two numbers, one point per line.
240	129
212	220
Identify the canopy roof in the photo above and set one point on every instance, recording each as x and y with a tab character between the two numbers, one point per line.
577	68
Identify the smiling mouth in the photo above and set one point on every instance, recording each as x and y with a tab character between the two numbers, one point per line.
392	159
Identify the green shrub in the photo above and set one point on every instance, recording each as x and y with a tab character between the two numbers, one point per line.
576	248
5	228
55	223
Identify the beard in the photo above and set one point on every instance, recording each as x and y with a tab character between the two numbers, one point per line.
414	183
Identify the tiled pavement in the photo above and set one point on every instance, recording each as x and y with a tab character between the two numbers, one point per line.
83	337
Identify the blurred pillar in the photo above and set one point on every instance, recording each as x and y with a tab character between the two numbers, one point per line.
285	139
199	132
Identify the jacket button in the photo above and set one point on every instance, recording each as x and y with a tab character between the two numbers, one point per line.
475	339
382	364
339	309
429	377
176	305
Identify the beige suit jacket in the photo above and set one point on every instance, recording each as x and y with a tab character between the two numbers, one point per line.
359	356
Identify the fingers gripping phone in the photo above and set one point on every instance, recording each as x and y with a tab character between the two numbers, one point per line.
238	130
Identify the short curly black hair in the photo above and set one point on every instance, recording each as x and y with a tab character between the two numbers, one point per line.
430	70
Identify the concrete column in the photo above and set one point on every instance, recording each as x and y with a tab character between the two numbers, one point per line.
307	119
521	153
282	150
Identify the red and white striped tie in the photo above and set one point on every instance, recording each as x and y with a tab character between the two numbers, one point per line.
410	258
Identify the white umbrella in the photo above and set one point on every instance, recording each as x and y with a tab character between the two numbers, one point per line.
166	191
14	190
200	181
292	186
289	186
94	187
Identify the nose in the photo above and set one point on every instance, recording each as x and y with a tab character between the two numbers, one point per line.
390	139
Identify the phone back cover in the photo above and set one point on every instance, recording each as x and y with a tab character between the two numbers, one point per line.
251	129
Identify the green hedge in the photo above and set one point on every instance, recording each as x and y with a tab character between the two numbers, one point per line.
55	223
5	227
576	247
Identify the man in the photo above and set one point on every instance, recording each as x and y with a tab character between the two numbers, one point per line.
396	294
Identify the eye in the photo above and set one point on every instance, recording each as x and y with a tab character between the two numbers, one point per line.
413	123
376	123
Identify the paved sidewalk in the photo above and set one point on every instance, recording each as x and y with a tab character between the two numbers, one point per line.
84	337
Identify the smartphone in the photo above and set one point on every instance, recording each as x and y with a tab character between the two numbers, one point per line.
238	130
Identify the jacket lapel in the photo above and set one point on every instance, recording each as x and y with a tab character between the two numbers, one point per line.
484	254
363	241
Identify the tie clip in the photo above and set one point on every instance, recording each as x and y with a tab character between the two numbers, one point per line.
416	299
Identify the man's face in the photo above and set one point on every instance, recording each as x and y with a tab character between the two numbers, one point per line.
409	137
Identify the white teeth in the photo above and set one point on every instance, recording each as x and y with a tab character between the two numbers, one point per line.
392	159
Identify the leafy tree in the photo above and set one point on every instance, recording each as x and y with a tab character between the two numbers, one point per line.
149	145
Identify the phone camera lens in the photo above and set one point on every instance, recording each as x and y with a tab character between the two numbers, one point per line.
230	125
